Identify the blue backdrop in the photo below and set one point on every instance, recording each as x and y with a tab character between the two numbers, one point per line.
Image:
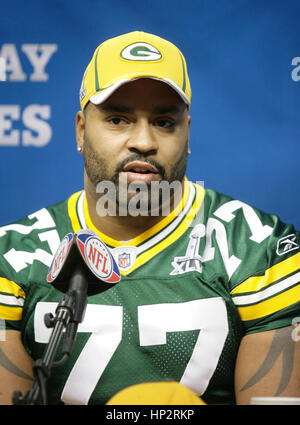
244	65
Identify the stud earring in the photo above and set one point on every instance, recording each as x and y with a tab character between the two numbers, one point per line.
79	148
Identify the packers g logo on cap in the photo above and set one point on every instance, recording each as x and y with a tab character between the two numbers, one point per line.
141	52
130	56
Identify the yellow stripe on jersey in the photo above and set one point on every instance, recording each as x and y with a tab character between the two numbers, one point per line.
274	273
11	288
72	211
272	305
10	313
278	288
11	291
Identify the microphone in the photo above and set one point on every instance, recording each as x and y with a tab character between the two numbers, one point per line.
84	261
82	266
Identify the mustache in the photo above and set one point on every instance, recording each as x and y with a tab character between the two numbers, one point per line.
139	157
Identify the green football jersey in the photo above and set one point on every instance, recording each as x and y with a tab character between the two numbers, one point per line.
191	287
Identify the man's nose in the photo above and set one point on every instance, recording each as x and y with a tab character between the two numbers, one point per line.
142	139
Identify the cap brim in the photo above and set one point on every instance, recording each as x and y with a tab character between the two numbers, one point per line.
102	96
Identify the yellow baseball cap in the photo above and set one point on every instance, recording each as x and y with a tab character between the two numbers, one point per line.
127	57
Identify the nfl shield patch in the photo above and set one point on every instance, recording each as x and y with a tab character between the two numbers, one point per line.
124	260
125	256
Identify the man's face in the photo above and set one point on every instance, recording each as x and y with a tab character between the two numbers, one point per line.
139	135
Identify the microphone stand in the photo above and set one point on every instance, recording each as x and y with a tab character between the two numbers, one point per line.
69	313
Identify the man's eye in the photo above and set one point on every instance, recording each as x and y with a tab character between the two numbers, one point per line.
116	120
165	123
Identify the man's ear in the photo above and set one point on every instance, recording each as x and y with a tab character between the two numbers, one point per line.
189	123
80	128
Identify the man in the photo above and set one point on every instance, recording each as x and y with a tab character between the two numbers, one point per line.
209	291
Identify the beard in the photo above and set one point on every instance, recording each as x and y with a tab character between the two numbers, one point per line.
97	170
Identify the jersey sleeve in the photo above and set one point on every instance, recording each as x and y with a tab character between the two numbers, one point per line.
260	265
268	297
27	248
26	251
12	298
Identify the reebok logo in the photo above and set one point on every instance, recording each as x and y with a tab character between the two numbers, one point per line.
141	52
287	244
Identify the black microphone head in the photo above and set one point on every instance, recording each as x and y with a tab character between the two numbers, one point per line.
85	253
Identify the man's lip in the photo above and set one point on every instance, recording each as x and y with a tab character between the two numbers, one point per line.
140	167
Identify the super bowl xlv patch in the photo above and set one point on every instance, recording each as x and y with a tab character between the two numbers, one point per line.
191	261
